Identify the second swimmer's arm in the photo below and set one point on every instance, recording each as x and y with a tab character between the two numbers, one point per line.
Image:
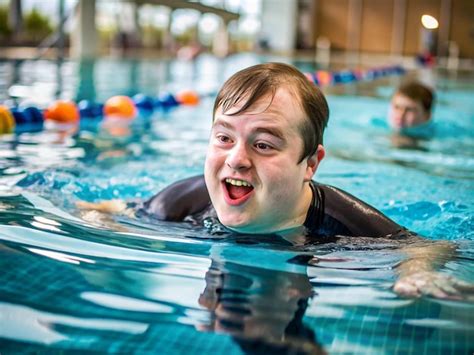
425	257
418	275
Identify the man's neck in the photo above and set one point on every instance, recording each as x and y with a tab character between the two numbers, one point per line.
298	219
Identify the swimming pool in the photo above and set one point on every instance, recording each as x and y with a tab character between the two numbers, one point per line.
70	281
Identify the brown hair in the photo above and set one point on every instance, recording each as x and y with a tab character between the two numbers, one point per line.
418	92
253	83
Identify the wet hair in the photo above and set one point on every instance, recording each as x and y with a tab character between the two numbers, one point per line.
418	92
250	85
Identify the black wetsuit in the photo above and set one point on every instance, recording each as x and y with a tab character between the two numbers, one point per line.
332	211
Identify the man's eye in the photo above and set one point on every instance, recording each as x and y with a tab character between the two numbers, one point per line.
223	139
263	146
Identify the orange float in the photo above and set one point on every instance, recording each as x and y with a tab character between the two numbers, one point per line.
62	111
324	77
7	122
120	107
188	97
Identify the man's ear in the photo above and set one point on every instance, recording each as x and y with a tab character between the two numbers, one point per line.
312	163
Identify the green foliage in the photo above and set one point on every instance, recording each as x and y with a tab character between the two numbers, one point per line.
186	37
37	26
5	29
153	37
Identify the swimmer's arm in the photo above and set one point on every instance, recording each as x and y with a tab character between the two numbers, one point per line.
107	207
173	203
425	257
418	275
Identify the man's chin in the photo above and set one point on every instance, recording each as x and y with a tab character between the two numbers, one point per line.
396	126
244	226
235	222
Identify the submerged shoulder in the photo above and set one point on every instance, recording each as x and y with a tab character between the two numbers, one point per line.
179	200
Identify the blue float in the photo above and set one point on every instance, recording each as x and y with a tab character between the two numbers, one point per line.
19	116
371	74
90	109
344	77
33	114
144	102
167	100
400	70
28	119
27	115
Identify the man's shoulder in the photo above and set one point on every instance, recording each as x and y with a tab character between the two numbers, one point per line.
355	216
179	200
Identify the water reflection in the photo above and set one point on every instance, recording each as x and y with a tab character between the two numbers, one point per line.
99	290
262	309
86	84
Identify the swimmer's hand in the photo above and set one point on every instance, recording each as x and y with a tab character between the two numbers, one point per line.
109	207
434	284
418	275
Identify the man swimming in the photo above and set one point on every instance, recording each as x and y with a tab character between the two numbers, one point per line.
264	149
410	114
410	106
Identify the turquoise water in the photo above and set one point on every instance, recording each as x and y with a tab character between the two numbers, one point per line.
72	280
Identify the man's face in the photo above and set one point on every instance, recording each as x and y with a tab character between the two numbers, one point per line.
252	172
405	112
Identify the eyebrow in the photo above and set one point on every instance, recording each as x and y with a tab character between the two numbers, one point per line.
276	132
224	124
272	131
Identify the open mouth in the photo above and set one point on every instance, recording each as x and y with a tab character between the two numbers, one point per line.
238	191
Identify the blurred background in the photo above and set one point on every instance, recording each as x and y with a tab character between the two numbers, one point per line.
363	32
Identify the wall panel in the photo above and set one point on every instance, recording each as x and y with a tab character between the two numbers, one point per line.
462	27
332	17
332	20
376	27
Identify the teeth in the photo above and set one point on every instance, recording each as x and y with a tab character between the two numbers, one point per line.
237	182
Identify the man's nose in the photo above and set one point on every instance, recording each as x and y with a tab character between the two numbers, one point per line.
238	157
399	113
404	112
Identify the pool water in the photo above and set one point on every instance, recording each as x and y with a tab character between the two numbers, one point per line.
76	281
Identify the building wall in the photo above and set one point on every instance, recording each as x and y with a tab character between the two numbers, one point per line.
331	19
376	26
462	26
